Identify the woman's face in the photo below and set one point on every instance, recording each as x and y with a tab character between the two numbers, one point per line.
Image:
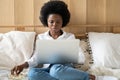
54	22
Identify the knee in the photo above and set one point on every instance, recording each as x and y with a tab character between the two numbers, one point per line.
56	70
32	74
31	71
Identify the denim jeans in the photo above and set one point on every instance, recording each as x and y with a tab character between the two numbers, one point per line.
57	72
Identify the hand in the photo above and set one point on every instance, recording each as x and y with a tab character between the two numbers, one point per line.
92	77
18	69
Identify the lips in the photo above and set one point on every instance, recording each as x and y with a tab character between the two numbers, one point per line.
54	28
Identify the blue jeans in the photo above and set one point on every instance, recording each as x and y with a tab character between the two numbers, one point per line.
57	72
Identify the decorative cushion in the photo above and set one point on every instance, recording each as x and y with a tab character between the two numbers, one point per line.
88	57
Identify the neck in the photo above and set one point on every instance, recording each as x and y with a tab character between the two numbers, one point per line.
55	35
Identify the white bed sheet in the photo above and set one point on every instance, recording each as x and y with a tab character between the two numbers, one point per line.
103	71
5	75
106	78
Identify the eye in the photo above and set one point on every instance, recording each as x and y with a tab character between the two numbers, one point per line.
51	21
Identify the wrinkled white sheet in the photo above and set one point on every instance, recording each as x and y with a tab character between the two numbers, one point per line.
103	71
5	75
106	78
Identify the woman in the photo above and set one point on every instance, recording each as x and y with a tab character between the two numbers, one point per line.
54	15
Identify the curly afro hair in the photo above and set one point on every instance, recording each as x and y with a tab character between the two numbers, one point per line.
54	7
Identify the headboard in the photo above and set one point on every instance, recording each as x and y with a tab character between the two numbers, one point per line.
79	30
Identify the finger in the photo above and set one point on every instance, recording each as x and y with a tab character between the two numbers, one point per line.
16	70
12	71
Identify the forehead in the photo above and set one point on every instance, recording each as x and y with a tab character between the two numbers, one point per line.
54	17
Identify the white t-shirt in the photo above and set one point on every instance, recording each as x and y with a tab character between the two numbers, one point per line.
45	36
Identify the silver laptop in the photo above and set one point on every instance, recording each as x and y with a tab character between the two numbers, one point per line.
57	51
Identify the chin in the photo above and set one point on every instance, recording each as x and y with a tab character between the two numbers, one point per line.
54	30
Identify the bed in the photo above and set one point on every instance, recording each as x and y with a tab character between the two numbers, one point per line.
93	38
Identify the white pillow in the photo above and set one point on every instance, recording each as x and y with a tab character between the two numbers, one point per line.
105	49
15	48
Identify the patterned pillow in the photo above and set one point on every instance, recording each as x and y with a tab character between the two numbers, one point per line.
88	57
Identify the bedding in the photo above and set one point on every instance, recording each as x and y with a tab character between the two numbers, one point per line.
103	71
5	75
15	48
88	61
13	53
105	50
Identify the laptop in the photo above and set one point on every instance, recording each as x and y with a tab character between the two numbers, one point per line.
57	51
